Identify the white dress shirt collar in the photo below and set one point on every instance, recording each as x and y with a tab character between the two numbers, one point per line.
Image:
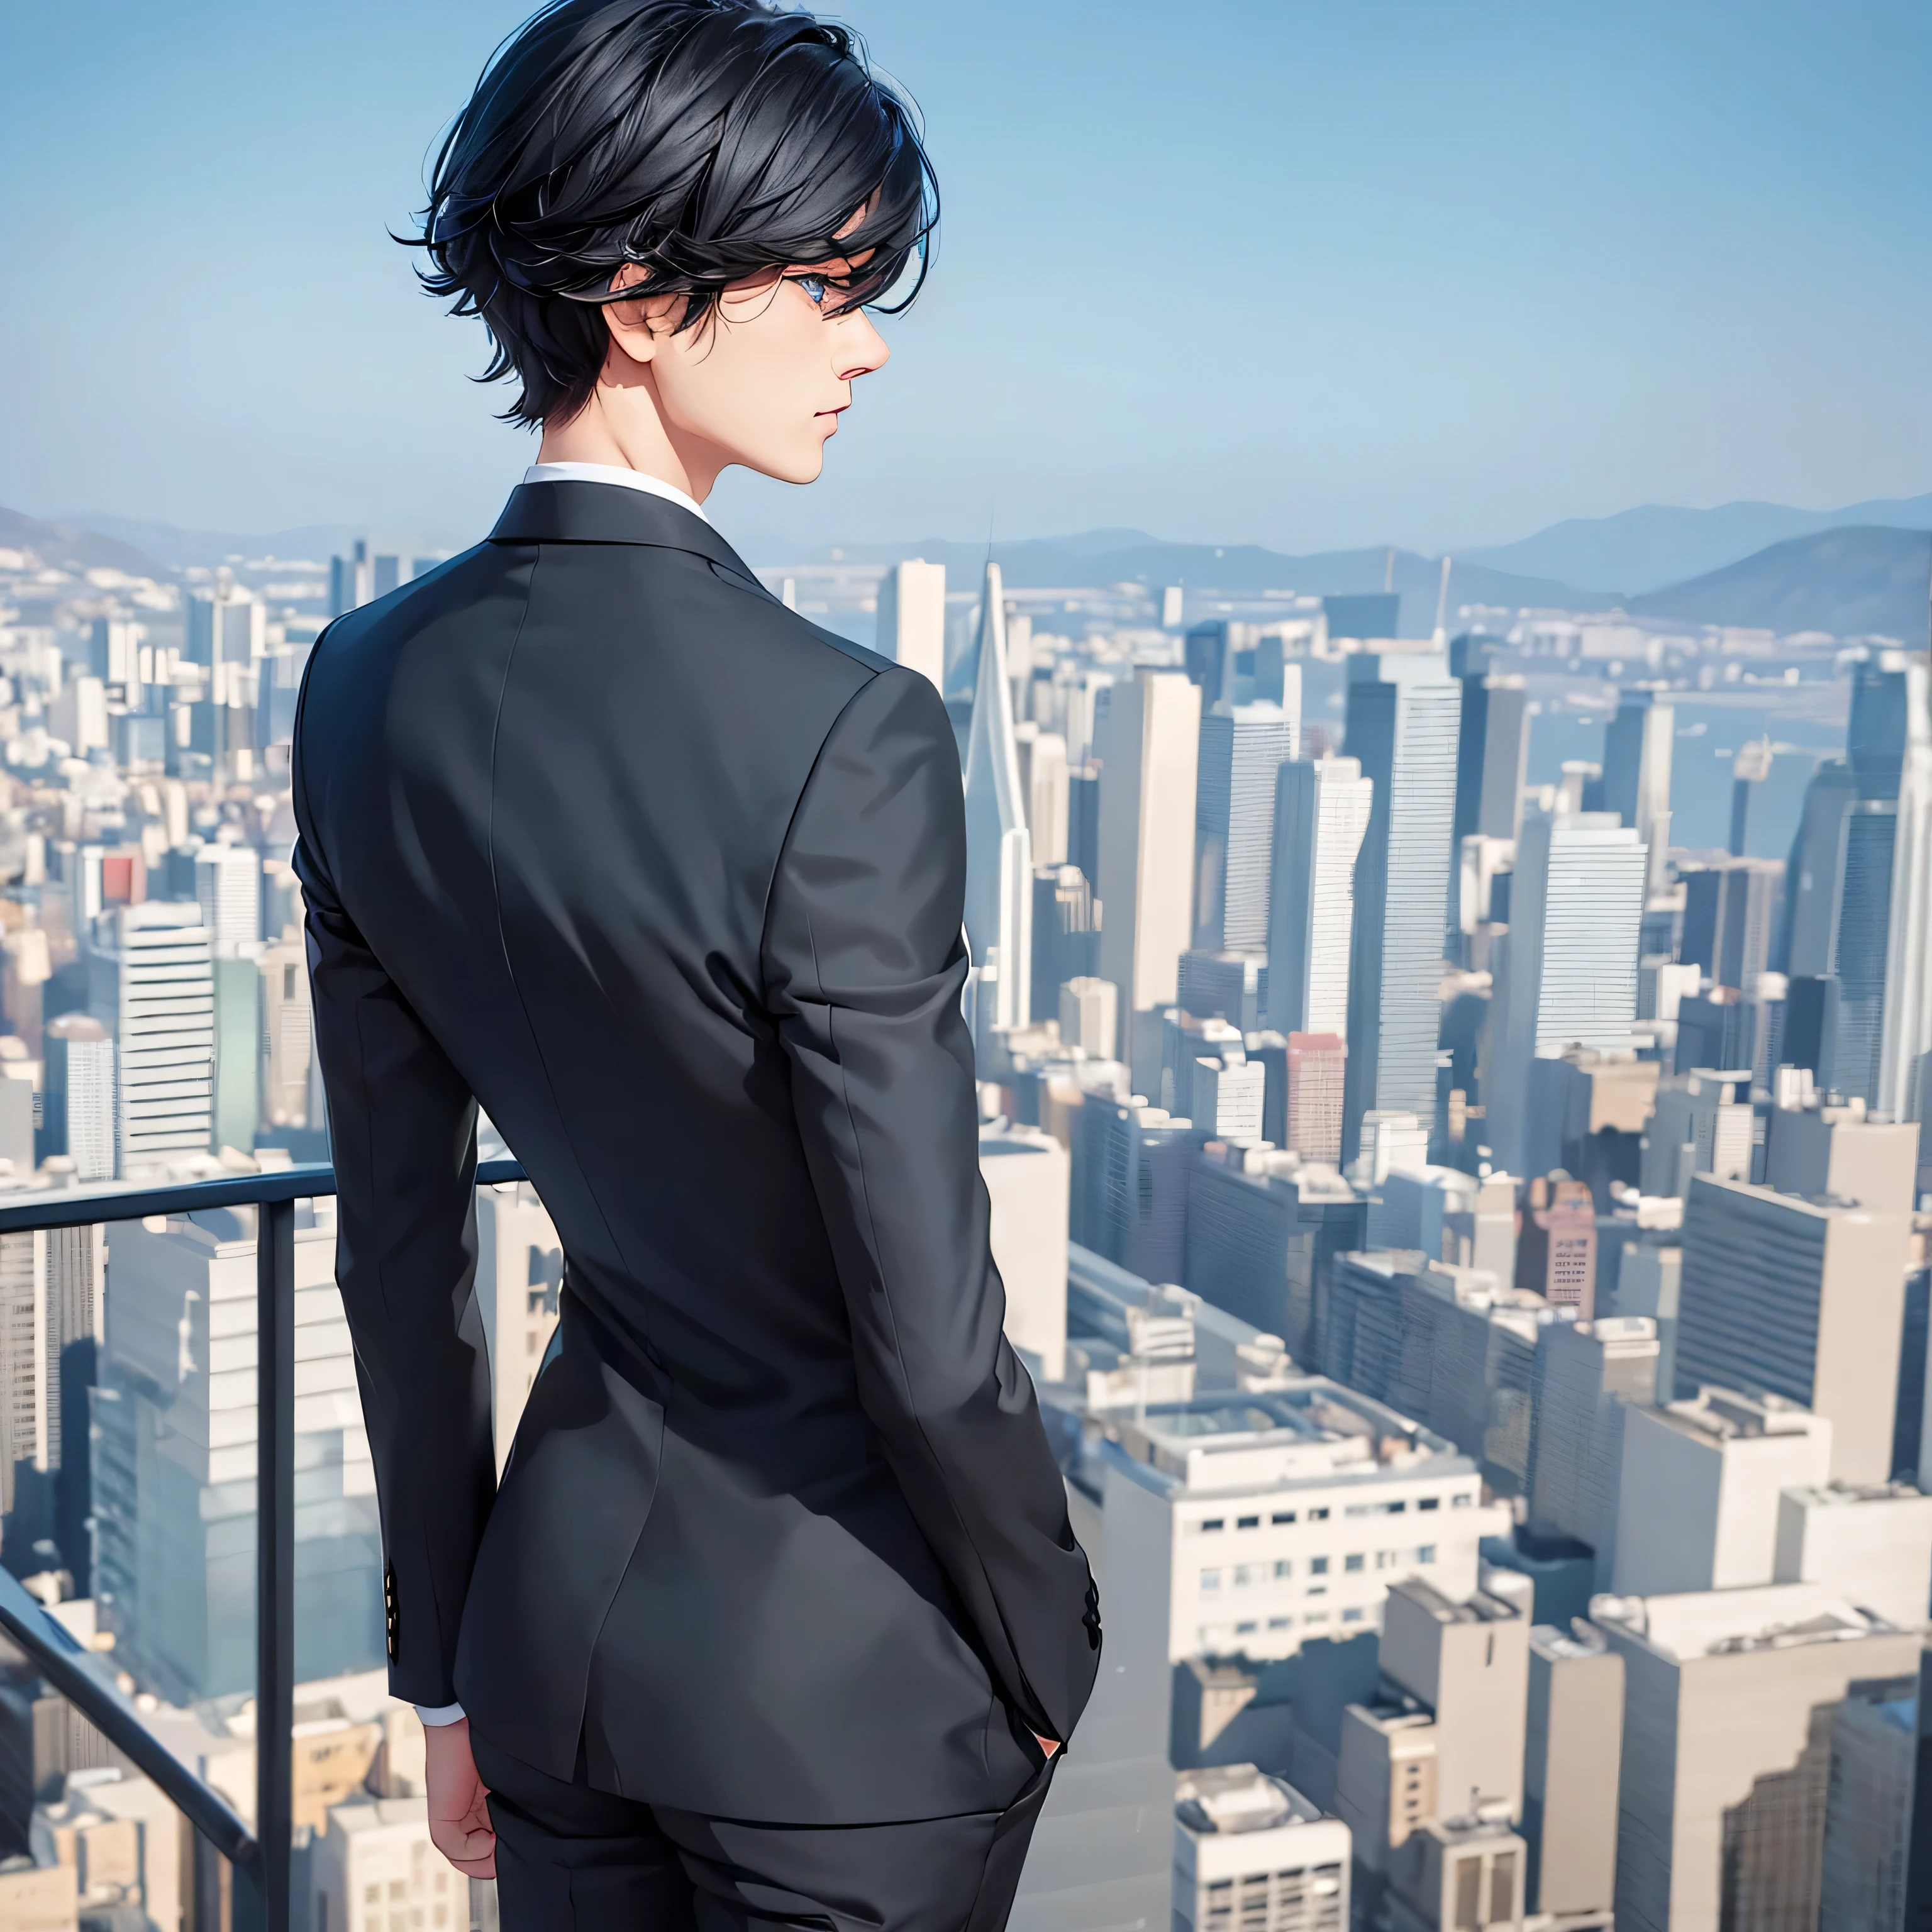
610	472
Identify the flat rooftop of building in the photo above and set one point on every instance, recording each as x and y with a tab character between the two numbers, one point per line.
1718	1623
1234	1798
1309	1429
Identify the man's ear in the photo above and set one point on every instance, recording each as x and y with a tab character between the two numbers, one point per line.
636	327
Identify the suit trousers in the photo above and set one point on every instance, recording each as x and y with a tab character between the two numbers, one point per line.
570	1858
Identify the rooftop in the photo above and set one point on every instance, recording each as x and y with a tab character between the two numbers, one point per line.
1719	1623
1238	1797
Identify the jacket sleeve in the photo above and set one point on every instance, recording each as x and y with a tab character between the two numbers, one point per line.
864	966
402	1133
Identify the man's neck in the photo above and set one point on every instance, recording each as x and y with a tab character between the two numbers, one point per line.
625	433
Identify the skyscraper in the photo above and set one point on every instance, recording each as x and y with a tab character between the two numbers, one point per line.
1318	1065
1402	714
1804	1299
1817	850
174	1460
1569	969
77	1114
1493	744
1066	937
228	883
1637	746
1725	1824
912	617
1860	952
154	987
1242	748
999	851
1148	746
1907	1033
1322	810
1729	913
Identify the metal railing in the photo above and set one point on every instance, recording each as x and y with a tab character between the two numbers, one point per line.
260	1857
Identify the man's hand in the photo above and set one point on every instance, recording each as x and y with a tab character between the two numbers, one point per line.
459	1819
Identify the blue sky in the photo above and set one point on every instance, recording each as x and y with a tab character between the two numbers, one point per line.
1310	275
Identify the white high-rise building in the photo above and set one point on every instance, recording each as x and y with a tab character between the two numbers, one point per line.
1242	748
1907	1023
912	617
228	883
999	849
519	1272
1228	1098
1322	807
1569	971
1026	1174
155	990
1090	1016
1047	798
1149	749
1251	1852
1697	1499
1402	717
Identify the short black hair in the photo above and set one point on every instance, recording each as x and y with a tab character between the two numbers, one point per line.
710	141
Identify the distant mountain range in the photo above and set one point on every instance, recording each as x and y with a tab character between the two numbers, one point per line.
184	550
1849	582
1860	571
1645	549
68	546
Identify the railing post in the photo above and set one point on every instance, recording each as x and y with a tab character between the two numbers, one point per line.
275	1560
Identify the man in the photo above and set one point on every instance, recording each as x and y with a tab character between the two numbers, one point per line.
777	1617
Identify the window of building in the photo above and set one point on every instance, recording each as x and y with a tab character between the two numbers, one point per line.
1248	1522
1246	1575
1283	1568
1246	1630
1502	1886
1385	1559
1279	1623
1429	1503
1318	1516
1352	1564
1425	1552
1353	1616
1210	1581
1316	1617
1283	1516
1317	1566
1468	1895
1208	1523
1462	1501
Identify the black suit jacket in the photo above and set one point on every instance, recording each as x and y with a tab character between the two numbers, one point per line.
595	831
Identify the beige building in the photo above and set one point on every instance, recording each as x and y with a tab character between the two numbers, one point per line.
1872	1544
375	1871
1727	1746
37	1898
1803	1297
1572	1747
1027	1176
1251	1854
1459	1875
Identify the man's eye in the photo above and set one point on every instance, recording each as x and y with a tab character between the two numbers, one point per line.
814	286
